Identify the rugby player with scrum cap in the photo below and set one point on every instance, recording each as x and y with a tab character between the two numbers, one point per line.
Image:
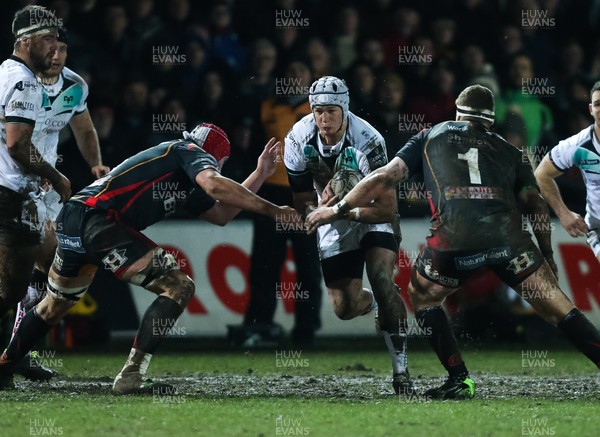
322	145
100	227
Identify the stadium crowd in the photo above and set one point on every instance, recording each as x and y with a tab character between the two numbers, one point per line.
156	68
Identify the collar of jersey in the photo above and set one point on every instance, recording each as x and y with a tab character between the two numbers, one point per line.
327	150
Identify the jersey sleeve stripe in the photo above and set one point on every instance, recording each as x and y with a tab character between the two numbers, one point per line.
20	120
555	164
437	184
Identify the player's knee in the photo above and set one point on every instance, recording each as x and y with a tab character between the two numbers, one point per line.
381	280
177	285
186	289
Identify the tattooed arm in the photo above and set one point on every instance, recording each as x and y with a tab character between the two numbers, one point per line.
374	186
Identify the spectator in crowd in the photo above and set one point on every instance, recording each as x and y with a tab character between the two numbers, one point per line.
523	91
269	245
443	31
224	40
134	118
258	80
371	52
404	29
361	83
320	58
345	37
474	68
436	103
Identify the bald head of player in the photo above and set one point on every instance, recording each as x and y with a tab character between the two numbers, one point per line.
476	103
35	29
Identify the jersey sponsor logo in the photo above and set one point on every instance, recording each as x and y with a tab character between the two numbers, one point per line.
457	128
589	161
24	106
68	99
170	203
21	85
521	262
52	122
70	243
482	193
376	157
444	280
114	260
58	262
491	256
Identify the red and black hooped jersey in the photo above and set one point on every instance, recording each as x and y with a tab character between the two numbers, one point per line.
473	177
147	187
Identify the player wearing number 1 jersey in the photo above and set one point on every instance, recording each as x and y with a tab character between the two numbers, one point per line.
478	184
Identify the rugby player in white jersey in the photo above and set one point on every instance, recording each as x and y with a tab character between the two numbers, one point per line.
582	150
67	93
23	111
330	139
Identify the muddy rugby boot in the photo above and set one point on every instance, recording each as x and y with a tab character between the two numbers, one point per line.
403	384
455	387
30	368
131	381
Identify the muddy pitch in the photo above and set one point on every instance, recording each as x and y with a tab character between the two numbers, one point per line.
352	387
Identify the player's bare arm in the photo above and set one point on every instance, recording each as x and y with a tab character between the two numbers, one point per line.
381	182
233	194
220	214
545	174
22	150
539	218
88	143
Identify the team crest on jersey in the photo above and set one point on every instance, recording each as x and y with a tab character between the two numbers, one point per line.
114	260
521	262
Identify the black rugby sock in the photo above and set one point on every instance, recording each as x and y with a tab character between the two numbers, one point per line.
157	323
32	329
582	334
441	338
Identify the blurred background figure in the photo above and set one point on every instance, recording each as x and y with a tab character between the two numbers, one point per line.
271	248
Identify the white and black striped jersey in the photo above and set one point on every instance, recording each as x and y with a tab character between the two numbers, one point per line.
67	97
582	151
22	100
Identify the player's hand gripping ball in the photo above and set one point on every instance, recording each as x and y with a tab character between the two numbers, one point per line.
344	180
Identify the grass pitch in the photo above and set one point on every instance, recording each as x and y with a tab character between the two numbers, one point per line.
318	393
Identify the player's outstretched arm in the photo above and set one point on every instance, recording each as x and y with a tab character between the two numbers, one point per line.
538	215
545	174
235	195
88	143
22	150
374	186
221	213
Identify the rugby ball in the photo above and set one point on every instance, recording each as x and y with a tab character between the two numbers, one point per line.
344	180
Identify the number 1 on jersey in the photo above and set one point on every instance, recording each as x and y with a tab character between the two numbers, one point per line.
472	158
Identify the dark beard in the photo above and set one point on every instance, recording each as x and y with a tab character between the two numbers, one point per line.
38	62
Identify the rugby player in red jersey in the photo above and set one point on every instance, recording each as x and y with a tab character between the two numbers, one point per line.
478	183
